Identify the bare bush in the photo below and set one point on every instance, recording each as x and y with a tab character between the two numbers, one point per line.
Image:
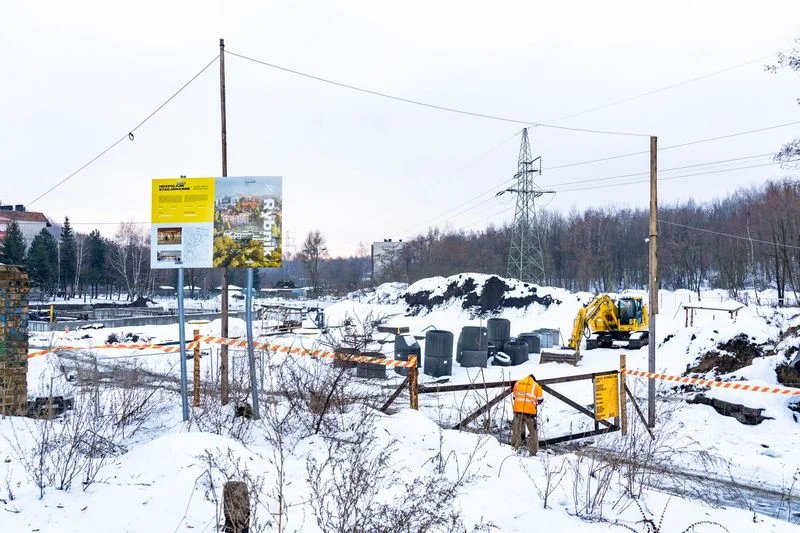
349	488
230	467
74	446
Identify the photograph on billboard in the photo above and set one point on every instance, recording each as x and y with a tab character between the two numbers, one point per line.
247	222
233	222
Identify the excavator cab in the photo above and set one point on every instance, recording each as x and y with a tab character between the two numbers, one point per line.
630	311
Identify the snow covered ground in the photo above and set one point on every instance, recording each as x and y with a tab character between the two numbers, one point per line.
162	474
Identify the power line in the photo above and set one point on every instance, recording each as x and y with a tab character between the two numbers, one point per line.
732	236
591	187
660	89
663	148
572	189
647	173
430	106
469	164
569	189
128	135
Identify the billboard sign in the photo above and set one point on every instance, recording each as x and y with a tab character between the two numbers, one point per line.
216	222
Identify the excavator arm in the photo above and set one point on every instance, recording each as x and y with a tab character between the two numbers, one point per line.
600	308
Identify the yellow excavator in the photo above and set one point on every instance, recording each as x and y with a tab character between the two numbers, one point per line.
605	320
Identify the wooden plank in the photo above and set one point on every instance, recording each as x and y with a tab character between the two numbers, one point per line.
639	411
576	436
394	395
506	383
491	403
394	330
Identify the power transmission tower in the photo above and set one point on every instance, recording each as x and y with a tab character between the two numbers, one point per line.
525	258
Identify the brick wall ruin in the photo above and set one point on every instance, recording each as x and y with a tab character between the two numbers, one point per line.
14	289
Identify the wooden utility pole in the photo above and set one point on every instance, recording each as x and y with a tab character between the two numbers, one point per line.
653	284
223	359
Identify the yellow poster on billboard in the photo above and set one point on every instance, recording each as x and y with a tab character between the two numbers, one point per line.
606	396
179	200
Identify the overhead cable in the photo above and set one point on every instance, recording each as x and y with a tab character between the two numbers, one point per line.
428	105
129	135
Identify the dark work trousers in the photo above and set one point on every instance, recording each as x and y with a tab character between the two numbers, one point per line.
521	422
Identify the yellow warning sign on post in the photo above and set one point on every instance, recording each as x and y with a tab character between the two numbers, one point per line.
606	396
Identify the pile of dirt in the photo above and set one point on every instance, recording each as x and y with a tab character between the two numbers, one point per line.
478	300
730	356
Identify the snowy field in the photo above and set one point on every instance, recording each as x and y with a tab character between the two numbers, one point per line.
153	472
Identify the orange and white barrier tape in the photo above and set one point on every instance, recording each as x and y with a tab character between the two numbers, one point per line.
160	347
282	348
733	385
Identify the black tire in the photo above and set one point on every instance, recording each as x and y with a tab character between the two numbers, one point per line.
501	359
591	344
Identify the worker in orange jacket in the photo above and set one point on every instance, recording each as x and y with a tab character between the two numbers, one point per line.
527	396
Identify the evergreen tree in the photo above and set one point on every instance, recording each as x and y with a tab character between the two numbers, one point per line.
13	246
97	262
68	256
42	261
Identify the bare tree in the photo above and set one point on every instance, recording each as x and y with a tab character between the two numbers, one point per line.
313	251
129	257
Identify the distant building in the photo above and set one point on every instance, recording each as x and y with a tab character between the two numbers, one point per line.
250	204
236	220
30	222
383	253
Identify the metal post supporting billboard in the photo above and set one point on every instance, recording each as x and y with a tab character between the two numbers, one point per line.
251	356
182	339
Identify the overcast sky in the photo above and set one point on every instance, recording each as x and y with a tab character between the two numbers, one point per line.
77	76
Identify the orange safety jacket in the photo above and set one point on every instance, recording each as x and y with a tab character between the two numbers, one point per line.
527	395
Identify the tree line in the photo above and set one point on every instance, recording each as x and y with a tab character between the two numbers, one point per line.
748	240
74	265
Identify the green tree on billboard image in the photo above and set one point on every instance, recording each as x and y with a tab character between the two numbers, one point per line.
247	222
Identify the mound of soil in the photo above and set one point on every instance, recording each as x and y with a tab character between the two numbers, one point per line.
490	299
731	355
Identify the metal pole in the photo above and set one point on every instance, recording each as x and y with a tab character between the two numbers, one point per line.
196	390
653	284
182	339
251	356
223	365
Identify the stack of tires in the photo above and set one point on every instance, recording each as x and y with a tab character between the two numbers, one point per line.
438	353
472	349
404	347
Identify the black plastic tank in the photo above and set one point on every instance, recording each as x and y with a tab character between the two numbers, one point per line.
517	350
471	338
404	347
438	353
498	331
474	358
534	345
371	370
